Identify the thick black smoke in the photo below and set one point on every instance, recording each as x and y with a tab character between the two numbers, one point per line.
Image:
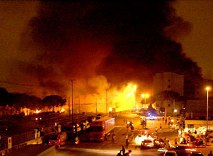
128	41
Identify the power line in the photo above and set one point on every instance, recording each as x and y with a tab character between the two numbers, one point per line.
17	84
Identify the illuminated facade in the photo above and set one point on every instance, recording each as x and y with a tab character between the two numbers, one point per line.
168	81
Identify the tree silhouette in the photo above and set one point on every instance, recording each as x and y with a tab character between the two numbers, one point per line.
53	100
34	102
4	97
19	100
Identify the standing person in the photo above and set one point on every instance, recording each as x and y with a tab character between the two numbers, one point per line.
128	153
144	123
176	143
127	140
167	145
119	154
77	140
113	137
123	149
210	153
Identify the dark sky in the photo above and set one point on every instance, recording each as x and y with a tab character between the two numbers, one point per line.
45	45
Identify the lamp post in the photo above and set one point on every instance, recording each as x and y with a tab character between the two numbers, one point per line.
207	106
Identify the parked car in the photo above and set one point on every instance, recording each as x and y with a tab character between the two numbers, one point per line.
189	153
147	143
138	140
99	116
91	118
170	153
186	151
198	143
73	128
194	153
159	143
84	124
183	153
53	138
49	138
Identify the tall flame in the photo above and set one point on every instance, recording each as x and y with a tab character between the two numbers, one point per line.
121	99
125	98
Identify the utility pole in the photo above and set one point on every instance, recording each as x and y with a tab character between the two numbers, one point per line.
96	106
79	105
72	98
106	103
69	106
207	106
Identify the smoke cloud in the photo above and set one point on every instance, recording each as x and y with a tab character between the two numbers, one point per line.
101	45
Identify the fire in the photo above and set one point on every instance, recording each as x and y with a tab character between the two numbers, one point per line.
37	111
140	138
125	98
105	99
62	110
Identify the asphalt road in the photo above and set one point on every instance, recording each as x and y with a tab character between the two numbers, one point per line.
108	148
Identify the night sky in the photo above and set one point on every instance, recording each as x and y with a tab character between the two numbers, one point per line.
44	45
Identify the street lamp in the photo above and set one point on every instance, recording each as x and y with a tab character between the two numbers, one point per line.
208	88
175	111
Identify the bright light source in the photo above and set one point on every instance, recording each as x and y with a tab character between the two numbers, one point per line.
146	95
110	109
62	110
175	110
208	88
143	95
37	111
135	87
140	138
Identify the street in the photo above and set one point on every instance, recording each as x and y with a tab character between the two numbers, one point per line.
108	148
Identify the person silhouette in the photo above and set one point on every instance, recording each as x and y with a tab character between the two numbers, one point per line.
210	153
123	149
113	137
